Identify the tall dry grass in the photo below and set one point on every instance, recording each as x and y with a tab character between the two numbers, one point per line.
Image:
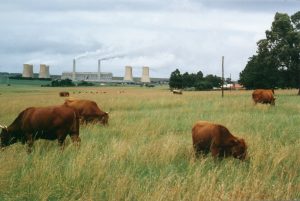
146	152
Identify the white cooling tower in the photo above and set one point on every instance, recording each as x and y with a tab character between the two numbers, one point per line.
128	74
44	71
145	75
27	70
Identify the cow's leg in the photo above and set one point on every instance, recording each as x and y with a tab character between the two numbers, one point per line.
29	142
215	150
75	139
61	136
61	142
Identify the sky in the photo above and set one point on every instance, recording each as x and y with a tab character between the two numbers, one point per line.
191	35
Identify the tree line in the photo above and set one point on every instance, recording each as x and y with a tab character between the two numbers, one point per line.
194	80
276	63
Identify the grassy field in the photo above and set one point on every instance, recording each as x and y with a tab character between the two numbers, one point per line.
146	151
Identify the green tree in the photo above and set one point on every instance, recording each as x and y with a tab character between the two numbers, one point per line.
176	80
214	80
277	63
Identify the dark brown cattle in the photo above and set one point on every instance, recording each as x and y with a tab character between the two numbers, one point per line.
49	123
64	94
88	111
265	96
215	138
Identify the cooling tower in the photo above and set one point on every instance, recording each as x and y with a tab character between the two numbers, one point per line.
128	74
145	75
74	70
44	71
27	70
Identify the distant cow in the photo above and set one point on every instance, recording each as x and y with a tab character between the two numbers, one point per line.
49	123
64	94
177	91
265	96
88	111
215	138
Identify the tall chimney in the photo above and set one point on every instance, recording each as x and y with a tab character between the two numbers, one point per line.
145	75
74	70
99	69
128	74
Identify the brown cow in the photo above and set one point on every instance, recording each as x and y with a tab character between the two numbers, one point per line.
265	96
49	123
64	94
88	111
218	140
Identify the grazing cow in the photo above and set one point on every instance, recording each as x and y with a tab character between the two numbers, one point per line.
88	111
49	123
265	96
218	140
64	94
177	91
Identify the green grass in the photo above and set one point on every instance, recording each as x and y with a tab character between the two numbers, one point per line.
146	151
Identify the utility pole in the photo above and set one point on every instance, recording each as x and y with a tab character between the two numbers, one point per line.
222	77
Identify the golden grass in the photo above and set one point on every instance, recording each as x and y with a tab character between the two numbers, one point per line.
146	152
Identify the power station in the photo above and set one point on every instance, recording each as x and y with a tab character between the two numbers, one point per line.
28	71
104	76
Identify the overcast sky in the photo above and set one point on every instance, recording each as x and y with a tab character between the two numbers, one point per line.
190	35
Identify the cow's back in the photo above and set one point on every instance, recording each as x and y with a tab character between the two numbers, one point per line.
263	96
204	132
84	107
49	119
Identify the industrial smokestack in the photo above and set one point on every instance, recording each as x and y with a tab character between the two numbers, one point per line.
99	69
145	75
44	71
74	70
128	74
27	70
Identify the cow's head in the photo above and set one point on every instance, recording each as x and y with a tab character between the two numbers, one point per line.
273	101
104	118
238	149
5	136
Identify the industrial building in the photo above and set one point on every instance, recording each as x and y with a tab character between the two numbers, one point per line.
87	76
104	76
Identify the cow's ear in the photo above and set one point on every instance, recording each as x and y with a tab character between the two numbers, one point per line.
4	127
234	141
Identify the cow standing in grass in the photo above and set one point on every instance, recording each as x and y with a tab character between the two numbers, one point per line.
265	96
209	137
48	123
88	111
